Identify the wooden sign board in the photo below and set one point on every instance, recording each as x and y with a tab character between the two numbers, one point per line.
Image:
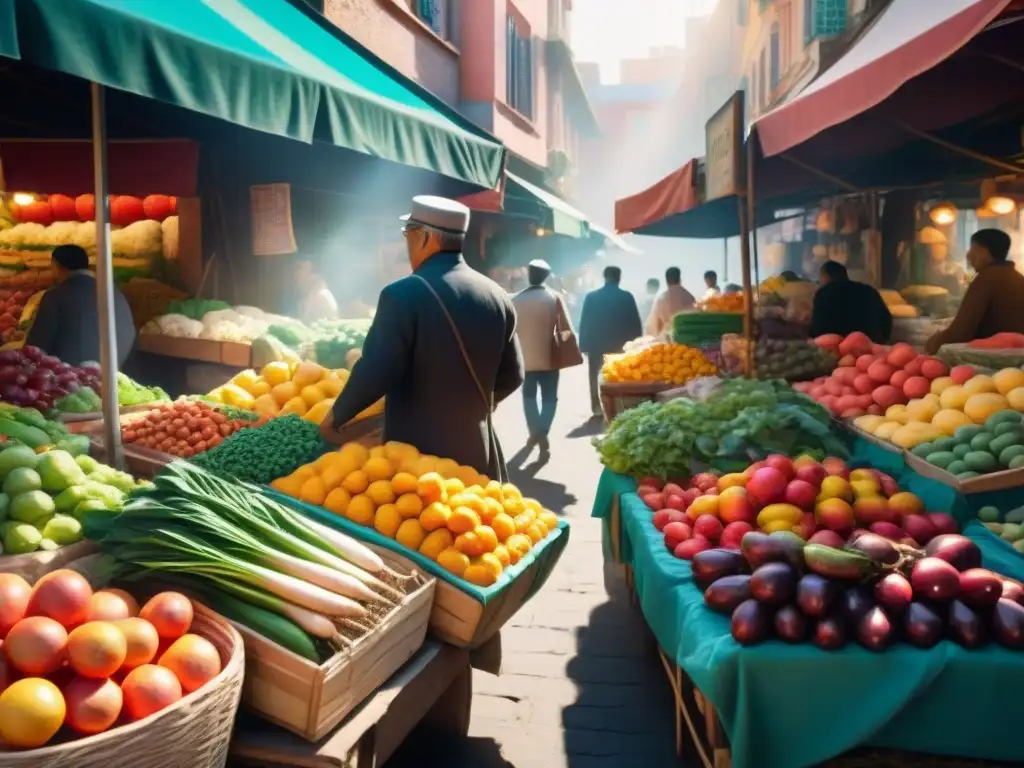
724	138
271	211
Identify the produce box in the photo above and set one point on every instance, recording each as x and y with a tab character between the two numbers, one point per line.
994	359
82	423
994	481
202	350
619	397
36	564
311	700
776	358
885	445
463	614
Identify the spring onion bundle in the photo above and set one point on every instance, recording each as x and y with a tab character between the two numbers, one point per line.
227	539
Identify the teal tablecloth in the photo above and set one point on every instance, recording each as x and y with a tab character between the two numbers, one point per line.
790	706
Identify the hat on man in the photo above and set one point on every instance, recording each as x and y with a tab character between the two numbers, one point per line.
539	264
438	213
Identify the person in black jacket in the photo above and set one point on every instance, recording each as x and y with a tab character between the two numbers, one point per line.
609	319
843	306
67	323
439	383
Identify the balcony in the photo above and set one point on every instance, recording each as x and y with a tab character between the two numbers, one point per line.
825	18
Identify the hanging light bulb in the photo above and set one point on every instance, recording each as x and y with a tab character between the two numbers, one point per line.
1000	205
943	214
23	198
541	231
983	212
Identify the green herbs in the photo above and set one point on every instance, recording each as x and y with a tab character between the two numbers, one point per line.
130	392
195	309
336	338
265	453
742	422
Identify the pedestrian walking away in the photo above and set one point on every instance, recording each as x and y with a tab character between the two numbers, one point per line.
609	320
646	304
540	317
442	348
670	302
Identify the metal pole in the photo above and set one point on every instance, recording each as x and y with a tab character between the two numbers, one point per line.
748	294
105	283
752	213
725	260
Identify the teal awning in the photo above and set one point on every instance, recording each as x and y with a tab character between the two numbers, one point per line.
614	240
563	218
261	64
8	35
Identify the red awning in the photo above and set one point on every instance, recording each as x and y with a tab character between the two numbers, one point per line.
908	38
676	193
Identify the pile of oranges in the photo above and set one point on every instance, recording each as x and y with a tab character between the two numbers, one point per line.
661	362
724	302
470	525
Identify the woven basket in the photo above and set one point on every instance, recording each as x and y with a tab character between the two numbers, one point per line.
618	397
193	733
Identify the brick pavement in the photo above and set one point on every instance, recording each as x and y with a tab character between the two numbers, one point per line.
580	687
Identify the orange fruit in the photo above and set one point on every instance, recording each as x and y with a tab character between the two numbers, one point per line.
502	554
490	509
380	491
549	518
524	521
194	660
284	392
510	490
360	509
357	453
92	705
31	712
378	468
356	482
483	570
332	477
404	482
312	394
313	492
289	485
469	544
453	486
430	488
488	538
409	505
148	689
386	520
435	516
536	532
493	490
448	468
533	504
467	475
503	525
142	642
96	649
170	613
463	519
514	505
411	534
518	545
337	501
111	605
453	561
436	542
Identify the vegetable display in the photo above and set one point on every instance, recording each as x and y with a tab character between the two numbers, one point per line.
336	342
17	293
657	362
214	320
27	426
741	421
1009	527
200	530
182	428
792	359
129	393
699	328
90	661
30	377
265	453
471	526
44	496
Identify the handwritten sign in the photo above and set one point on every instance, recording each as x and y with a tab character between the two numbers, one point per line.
271	208
724	137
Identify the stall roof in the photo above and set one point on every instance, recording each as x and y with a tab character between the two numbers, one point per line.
565	220
673	195
261	64
904	41
616	241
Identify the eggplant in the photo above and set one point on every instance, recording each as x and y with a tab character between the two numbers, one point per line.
878	548
894	593
790	624
750	622
922	626
712	564
830	633
966	626
816	595
855	602
876	630
935	579
760	548
773	583
980	588
1008	624
727	592
959	551
1012	590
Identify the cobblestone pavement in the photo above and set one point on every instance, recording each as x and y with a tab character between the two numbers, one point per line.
580	686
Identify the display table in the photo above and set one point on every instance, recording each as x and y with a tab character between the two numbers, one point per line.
435	687
785	706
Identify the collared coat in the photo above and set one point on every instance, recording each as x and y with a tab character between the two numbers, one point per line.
609	319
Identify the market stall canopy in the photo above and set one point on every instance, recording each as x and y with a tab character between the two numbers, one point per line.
562	217
261	64
907	39
673	195
614	240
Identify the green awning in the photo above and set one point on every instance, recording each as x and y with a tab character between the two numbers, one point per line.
8	35
614	240
563	218
262	64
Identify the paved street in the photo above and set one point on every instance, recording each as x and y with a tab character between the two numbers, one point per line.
580	687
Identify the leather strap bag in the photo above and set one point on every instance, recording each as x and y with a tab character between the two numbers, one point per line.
565	347
486	395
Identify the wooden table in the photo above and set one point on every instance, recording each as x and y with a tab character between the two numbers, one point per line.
435	687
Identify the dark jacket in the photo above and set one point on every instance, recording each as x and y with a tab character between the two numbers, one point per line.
994	303
845	306
410	356
609	319
67	323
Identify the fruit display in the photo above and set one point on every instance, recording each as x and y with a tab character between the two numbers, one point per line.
897	305
740	421
873	591
871	379
657	362
791	359
471	526
823	503
20	295
975	450
696	329
264	453
1009	527
723	302
30	377
87	661
44	496
129	393
182	428
305	389
27	426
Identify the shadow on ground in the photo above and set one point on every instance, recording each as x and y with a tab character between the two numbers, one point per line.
422	749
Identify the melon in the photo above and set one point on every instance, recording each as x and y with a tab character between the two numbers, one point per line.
1016	399
1008	380
949	420
922	410
979	407
897	413
954	397
941	384
913	434
887	429
979	385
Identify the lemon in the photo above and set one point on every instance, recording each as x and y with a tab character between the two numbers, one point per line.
387	520
360	510
410	534
31	712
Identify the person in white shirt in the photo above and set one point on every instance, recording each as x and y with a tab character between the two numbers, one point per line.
670	302
646	304
711	281
316	302
539	310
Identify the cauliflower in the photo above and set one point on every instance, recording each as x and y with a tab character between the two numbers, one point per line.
143	238
62	232
85	235
254	312
169	228
222	330
180	326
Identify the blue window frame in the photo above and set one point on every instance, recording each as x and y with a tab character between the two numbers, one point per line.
824	18
774	64
518	68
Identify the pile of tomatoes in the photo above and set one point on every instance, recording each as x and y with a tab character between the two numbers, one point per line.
182	428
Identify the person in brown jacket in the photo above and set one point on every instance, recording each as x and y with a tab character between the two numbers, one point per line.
994	302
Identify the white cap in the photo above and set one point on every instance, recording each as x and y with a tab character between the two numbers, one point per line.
539	264
438	213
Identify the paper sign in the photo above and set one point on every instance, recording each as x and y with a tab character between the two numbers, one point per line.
271	209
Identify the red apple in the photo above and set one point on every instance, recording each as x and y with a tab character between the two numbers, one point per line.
919	528
661	519
654	500
709	527
691	495
811	473
834	466
675	533
766	486
801	494
705	480
782	463
828	539
735	508
733	534
672	488
685	550
676	501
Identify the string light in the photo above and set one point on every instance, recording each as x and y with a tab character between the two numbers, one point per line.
943	214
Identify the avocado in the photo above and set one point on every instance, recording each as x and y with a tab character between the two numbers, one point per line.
967	475
1003	417
981	442
1017	462
943	444
1013	516
990	514
956	467
961	450
1009	453
1002	442
1007	428
964	434
941	459
980	461
924	450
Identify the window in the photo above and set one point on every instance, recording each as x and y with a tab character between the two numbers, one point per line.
439	15
808	20
773	56
518	68
763	96
824	18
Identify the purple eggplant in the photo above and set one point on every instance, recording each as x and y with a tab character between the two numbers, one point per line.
830	633
760	548
894	593
966	627
727	592
774	583
959	551
713	564
935	579
1012	590
855	602
876	630
816	595
878	548
790	624
751	622
922	626
980	588
1008	624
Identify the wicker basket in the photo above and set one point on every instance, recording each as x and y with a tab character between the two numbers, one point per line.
616	398
193	733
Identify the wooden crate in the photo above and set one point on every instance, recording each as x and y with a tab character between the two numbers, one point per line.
993	481
204	350
311	700
616	398
84	423
35	564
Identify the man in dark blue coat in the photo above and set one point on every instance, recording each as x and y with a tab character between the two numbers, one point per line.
442	349
609	319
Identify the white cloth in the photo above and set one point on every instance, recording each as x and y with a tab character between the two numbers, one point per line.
710	292
670	302
537	311
318	304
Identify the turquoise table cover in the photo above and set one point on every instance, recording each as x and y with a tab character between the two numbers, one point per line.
788	706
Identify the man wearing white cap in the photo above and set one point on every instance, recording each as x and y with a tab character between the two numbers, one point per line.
442	349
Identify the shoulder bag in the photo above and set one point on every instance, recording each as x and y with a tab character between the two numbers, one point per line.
565	347
485	394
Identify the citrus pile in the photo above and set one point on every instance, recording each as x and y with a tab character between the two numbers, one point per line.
471	526
89	660
671	363
724	302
